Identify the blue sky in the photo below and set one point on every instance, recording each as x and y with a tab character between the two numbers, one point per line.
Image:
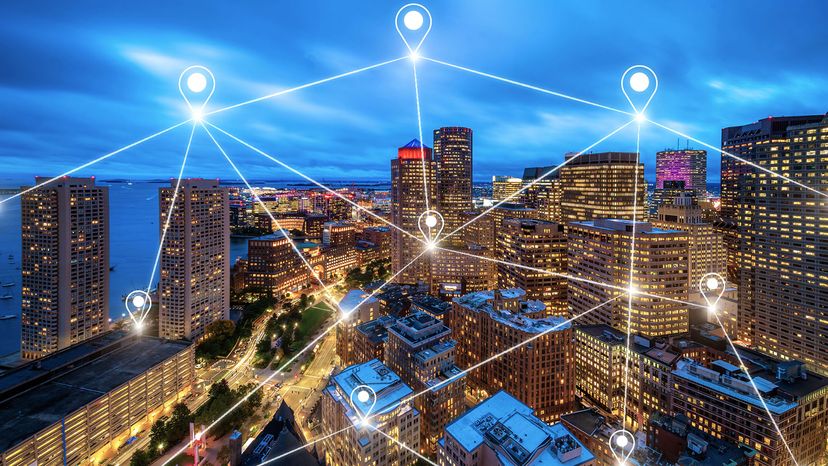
80	81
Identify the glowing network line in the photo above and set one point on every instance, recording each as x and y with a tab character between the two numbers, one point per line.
402	444
290	361
537	180
743	367
306	177
740	159
632	270
273	219
622	289
167	220
420	129
524	85
305	86
93	162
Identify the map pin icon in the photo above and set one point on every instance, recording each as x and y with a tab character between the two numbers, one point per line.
137	304
712	287
431	225
622	444
363	399
196	85
413	22
639	85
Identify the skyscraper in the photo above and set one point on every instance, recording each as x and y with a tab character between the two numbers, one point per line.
783	233
533	244
65	264
453	154
687	165
194	285
603	185
413	176
598	253
505	186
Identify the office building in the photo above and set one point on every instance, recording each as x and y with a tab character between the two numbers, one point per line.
453	154
505	188
274	267
532	252
686	165
79	405
413	176
603	185
707	253
370	338
357	307
503	431
783	233
65	264
487	322
194	285
457	270
598	257
388	412
419	349
753	142
719	400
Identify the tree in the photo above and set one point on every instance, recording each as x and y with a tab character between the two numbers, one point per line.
141	458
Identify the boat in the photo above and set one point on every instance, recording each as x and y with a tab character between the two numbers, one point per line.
6	296
8	317
6	285
112	268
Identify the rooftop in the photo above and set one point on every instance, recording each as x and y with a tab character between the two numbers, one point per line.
614	224
486	301
511	430
389	388
419	328
353	299
74	378
376	330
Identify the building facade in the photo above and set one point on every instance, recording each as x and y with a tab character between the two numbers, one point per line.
603	185
194	285
598	262
65	264
533	255
413	177
540	374
453	153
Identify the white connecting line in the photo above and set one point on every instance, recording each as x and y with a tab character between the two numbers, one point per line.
305	86
535	181
632	273
422	143
524	85
93	162
744	369
145	312
432	463
306	177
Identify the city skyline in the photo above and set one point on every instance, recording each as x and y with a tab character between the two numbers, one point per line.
117	67
386	326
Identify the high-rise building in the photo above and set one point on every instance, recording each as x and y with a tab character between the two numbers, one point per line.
783	230
274	267
413	177
65	264
453	154
707	251
489	224
753	142
603	185
369	339
487	322
420	351
357	307
529	249
598	254
347	441
457	270
505	187
503	431
194	285
719	400
687	165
